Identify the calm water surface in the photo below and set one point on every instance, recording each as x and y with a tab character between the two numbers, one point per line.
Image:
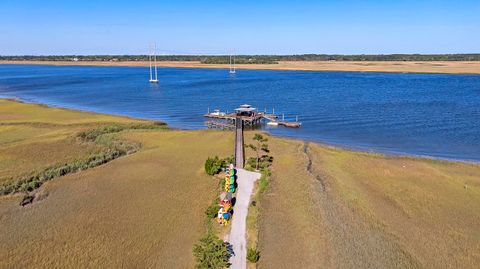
414	114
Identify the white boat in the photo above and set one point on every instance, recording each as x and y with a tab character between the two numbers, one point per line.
217	112
272	123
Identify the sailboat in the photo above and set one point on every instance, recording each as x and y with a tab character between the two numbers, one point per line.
232	67
153	79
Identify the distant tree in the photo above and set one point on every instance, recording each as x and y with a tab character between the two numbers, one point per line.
211	253
254	59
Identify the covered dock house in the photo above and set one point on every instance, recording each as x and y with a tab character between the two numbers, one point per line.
248	114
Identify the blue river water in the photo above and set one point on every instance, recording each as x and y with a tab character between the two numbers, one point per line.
434	115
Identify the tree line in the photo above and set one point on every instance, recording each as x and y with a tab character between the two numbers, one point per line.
251	59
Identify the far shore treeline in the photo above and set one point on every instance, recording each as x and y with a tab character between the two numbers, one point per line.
250	59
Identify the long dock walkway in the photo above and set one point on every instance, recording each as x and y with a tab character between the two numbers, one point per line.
239	147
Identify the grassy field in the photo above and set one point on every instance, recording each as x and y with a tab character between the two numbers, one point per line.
142	210
33	137
323	208
332	208
447	67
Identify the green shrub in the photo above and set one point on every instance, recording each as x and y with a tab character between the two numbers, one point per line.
213	165
212	210
92	135
211	252
253	255
159	123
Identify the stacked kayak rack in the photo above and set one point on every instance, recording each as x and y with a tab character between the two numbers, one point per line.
225	212
230	177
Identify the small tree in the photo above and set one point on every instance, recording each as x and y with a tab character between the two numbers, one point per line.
258	147
211	252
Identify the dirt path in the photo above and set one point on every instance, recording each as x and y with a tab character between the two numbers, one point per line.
237	238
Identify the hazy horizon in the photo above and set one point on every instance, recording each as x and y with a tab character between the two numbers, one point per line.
193	55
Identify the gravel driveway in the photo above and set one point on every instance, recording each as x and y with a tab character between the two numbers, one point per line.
237	238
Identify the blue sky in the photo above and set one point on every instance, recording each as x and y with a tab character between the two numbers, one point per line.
37	27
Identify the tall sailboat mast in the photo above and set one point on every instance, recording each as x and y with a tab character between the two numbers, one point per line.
153	79
232	67
155	61
150	62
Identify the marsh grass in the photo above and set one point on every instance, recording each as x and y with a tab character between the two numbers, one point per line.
142	210
362	210
34	181
101	139
115	148
147	208
93	134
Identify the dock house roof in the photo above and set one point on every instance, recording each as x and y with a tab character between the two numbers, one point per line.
245	108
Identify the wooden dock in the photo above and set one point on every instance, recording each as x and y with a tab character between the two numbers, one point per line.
232	117
270	117
254	120
292	124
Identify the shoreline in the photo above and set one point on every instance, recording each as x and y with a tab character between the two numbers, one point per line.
25	101
338	146
414	67
386	154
